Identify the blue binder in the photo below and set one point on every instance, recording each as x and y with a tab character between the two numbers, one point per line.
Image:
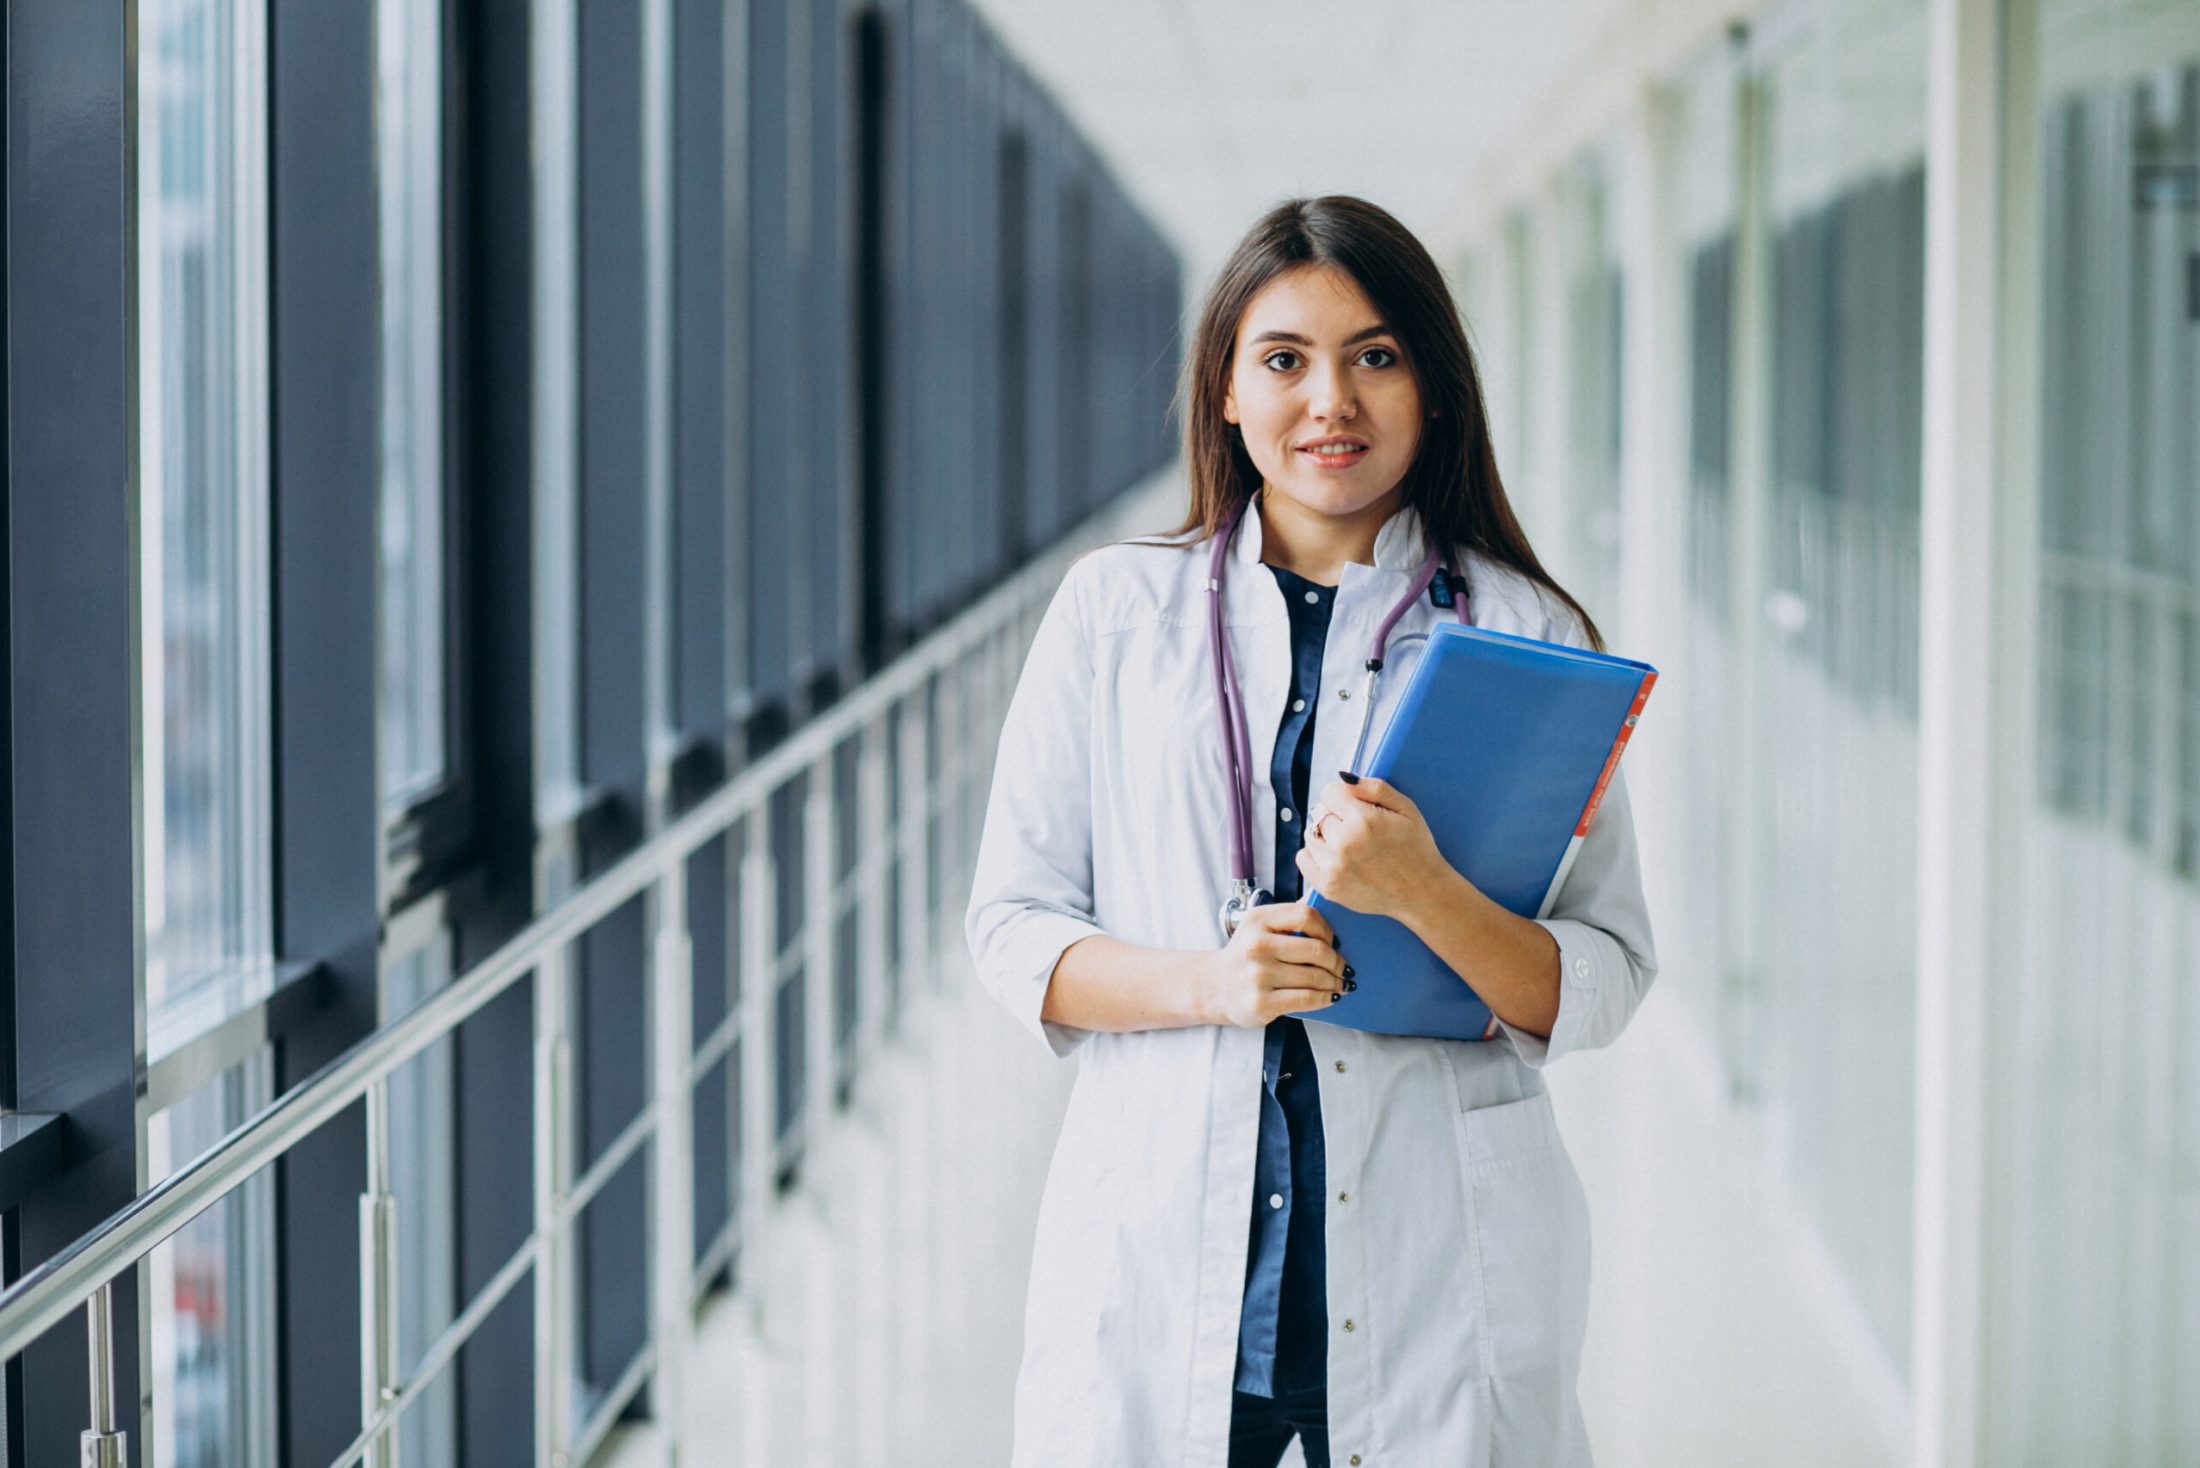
1506	745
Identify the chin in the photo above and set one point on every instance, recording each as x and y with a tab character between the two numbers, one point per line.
1336	500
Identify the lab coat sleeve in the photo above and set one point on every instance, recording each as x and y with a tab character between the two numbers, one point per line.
1606	957
1031	893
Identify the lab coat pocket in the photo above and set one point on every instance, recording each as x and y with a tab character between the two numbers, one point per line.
1531	1225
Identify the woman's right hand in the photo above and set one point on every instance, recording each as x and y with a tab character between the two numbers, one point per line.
1282	959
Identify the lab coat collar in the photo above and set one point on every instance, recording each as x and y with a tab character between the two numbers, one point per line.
1399	545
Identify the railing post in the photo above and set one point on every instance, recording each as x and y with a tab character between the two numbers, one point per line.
820	926
378	1368
673	1045
553	1356
759	1144
759	992
104	1445
915	841
874	830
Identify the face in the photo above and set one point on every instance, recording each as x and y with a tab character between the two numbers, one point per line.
1316	365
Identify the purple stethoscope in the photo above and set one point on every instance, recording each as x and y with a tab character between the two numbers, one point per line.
1237	760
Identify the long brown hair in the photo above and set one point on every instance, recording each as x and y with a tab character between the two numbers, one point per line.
1452	482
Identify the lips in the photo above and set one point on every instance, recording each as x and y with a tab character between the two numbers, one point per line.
1334	451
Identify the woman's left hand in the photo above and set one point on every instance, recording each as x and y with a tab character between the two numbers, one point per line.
1368	847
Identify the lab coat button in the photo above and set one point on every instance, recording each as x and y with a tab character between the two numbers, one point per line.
1340	1065
1344	693
1348	1325
1344	1197
1581	967
1354	1460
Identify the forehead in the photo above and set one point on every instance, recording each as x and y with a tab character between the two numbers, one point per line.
1312	300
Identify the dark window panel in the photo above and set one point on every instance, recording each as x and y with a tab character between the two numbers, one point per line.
614	1280
701	437
774	356
613	369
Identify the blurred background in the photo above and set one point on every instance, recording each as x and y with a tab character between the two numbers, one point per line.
523	517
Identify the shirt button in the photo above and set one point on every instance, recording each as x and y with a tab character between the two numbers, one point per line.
1275	1200
1313	597
1285	815
1298	705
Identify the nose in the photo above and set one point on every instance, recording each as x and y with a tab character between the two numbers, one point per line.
1332	396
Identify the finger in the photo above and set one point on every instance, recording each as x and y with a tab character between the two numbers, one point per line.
1300	1001
1315	953
1310	921
1375	792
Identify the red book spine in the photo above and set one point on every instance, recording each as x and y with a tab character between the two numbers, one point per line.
1611	763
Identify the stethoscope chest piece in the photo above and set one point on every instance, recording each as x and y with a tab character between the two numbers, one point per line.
1243	898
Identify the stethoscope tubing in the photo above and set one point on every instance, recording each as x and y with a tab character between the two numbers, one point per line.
1230	701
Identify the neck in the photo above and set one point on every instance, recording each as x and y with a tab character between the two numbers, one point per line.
1308	543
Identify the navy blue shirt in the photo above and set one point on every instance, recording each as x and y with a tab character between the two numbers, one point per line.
1283	1332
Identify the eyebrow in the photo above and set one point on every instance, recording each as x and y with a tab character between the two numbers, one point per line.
1378	329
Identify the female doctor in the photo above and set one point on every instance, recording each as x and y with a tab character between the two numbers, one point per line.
1257	1227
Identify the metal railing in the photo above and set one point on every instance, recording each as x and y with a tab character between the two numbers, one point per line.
969	669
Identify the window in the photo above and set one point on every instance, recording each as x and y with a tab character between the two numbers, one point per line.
1843	153
408	174
2092	1263
203	456
213	1292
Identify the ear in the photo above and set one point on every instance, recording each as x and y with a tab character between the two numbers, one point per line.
1229	405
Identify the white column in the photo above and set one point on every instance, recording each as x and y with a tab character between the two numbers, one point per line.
1966	641
1651	624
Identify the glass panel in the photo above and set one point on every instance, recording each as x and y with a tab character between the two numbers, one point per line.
2093	1244
202	182
423	1179
212	1291
408	176
1844	153
1588	223
1703	684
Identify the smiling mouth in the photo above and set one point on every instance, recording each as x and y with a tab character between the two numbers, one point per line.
1341	453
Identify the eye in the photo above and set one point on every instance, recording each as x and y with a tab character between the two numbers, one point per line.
1385	352
1270	359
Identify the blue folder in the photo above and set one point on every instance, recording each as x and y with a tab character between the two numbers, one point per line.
1505	744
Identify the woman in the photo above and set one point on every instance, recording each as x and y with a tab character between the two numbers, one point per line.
1255	1227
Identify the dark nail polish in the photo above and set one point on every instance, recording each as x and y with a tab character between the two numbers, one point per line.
1336	943
1335	997
1349	986
1348	971
1348	777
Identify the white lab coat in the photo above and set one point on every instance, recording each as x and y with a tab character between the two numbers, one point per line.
1457	1229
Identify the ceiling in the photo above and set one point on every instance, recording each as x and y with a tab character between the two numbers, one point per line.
1211	111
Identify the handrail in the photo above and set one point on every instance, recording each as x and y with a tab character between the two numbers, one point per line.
42	1298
